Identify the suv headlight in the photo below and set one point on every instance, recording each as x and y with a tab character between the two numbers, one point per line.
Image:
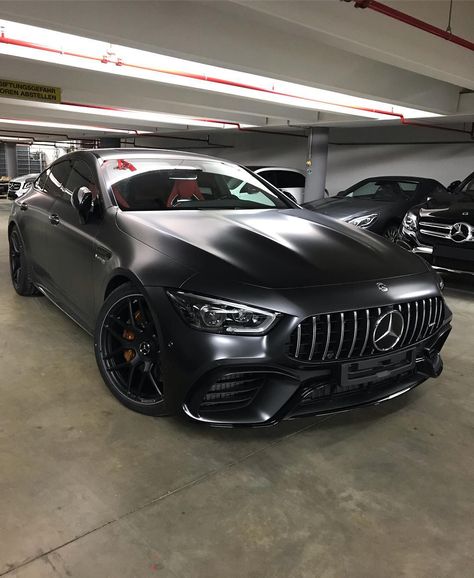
220	316
364	221
410	221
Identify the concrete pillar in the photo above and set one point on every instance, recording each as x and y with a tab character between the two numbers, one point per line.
11	160
108	142
316	164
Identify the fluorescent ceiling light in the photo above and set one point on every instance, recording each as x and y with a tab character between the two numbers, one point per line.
46	45
82	127
19	139
127	114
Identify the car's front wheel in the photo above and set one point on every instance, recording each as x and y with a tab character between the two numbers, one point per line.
127	349
19	268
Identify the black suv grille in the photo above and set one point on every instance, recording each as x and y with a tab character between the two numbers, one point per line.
232	391
348	334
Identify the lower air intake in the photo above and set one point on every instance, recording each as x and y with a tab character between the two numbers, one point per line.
232	391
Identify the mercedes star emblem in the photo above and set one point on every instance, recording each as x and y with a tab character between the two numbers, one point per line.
388	330
382	287
461	232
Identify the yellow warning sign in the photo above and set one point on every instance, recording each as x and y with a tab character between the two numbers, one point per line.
28	91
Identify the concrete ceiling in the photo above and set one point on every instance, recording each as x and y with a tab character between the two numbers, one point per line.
324	44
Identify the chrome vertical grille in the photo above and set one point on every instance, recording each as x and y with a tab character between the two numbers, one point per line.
348	334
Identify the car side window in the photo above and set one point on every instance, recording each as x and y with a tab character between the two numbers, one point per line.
367	189
290	179
271	177
468	187
58	176
81	175
40	182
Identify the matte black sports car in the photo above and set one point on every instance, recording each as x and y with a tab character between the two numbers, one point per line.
211	294
442	229
378	204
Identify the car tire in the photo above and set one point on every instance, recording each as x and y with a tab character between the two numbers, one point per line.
391	232
127	349
20	272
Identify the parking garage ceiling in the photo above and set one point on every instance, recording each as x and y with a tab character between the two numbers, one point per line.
292	48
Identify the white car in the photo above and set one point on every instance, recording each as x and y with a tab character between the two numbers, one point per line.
287	180
20	185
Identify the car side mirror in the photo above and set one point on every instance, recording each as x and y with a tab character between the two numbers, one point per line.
340	193
82	200
453	186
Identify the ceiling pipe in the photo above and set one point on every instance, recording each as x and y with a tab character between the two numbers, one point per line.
360	3
412	21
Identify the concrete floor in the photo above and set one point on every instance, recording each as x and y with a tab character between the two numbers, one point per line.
89	489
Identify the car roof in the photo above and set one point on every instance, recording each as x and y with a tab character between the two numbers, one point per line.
397	178
118	153
272	168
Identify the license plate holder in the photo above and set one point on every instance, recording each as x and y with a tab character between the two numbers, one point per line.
459	253
377	368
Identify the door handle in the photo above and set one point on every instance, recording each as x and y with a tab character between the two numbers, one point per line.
54	219
23	206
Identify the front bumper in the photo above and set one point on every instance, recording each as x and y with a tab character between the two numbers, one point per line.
230	380
460	260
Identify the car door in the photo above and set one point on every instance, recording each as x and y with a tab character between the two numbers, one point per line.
73	245
35	227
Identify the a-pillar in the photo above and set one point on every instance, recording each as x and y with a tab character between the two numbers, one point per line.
316	164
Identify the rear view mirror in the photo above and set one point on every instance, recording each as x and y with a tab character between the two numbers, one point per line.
453	186
251	189
341	193
83	201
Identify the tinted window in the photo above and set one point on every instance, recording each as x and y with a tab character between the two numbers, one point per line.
81	176
383	190
58	176
271	177
41	180
290	179
468	187
408	185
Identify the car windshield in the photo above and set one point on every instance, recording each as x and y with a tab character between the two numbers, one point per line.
150	184
382	190
466	192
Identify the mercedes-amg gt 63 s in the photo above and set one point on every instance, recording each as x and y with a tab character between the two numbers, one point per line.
442	229
211	294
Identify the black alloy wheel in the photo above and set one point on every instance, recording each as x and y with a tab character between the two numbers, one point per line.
127	351
391	233
19	271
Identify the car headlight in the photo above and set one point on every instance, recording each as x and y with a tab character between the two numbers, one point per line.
410	221
364	221
220	316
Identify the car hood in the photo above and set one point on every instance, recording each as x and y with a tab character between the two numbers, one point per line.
24	178
450	209
270	248
346	209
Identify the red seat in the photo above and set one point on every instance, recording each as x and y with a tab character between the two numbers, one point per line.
184	189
